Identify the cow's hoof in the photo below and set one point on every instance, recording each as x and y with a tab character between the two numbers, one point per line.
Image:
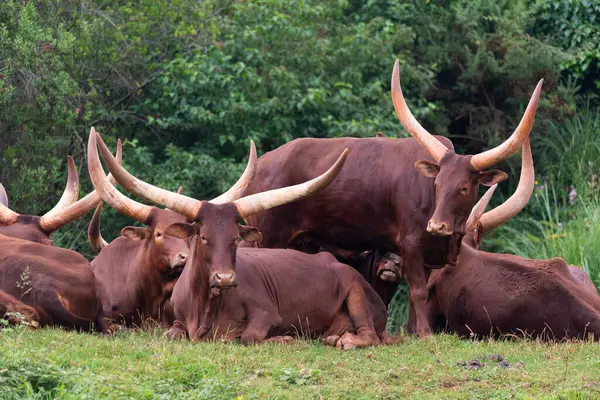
175	334
331	340
346	343
281	340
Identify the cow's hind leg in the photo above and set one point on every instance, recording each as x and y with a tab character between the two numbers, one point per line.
357	305
16	312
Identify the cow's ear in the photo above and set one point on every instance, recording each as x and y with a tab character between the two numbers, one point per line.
135	233
427	168
181	230
249	233
490	178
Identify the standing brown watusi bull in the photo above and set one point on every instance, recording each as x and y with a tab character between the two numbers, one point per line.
380	200
266	306
496	294
137	272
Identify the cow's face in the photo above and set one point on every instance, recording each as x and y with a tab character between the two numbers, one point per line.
27	228
390	268
165	252
218	233
456	187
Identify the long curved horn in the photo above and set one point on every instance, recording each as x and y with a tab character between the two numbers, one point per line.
490	157
176	202
236	191
52	222
515	203
258	202
7	216
107	191
71	193
94	235
412	126
3	196
479	208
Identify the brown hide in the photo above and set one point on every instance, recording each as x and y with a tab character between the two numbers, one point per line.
57	283
27	227
278	293
136	274
505	294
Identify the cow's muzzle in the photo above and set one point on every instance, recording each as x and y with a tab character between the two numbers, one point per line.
439	228
223	279
179	260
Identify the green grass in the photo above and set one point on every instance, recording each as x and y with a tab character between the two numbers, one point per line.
53	363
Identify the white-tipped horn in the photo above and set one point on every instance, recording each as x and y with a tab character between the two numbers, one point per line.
238	188
52	222
515	203
176	202
412	126
256	203
493	156
107	191
71	192
479	208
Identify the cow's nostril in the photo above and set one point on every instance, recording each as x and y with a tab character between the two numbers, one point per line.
114	308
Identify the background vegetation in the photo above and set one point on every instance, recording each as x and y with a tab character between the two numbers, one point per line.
188	83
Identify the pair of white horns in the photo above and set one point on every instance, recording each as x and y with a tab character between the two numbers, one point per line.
437	150
68	207
188	206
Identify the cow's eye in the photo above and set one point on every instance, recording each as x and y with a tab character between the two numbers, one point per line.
464	190
158	234
204	240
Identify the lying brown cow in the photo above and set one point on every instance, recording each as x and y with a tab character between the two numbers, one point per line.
495	294
58	284
137	272
266	306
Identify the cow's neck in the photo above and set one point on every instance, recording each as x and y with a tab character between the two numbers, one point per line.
199	290
146	278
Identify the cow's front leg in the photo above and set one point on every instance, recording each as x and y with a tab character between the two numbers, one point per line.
260	323
412	253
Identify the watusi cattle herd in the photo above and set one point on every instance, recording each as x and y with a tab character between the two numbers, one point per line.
311	241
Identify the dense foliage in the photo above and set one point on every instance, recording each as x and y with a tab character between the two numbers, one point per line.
188	83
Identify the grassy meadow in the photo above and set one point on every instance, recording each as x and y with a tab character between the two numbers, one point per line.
52	363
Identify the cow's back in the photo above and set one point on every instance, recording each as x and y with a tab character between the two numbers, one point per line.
376	189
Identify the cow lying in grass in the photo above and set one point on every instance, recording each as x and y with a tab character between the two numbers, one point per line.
498	294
